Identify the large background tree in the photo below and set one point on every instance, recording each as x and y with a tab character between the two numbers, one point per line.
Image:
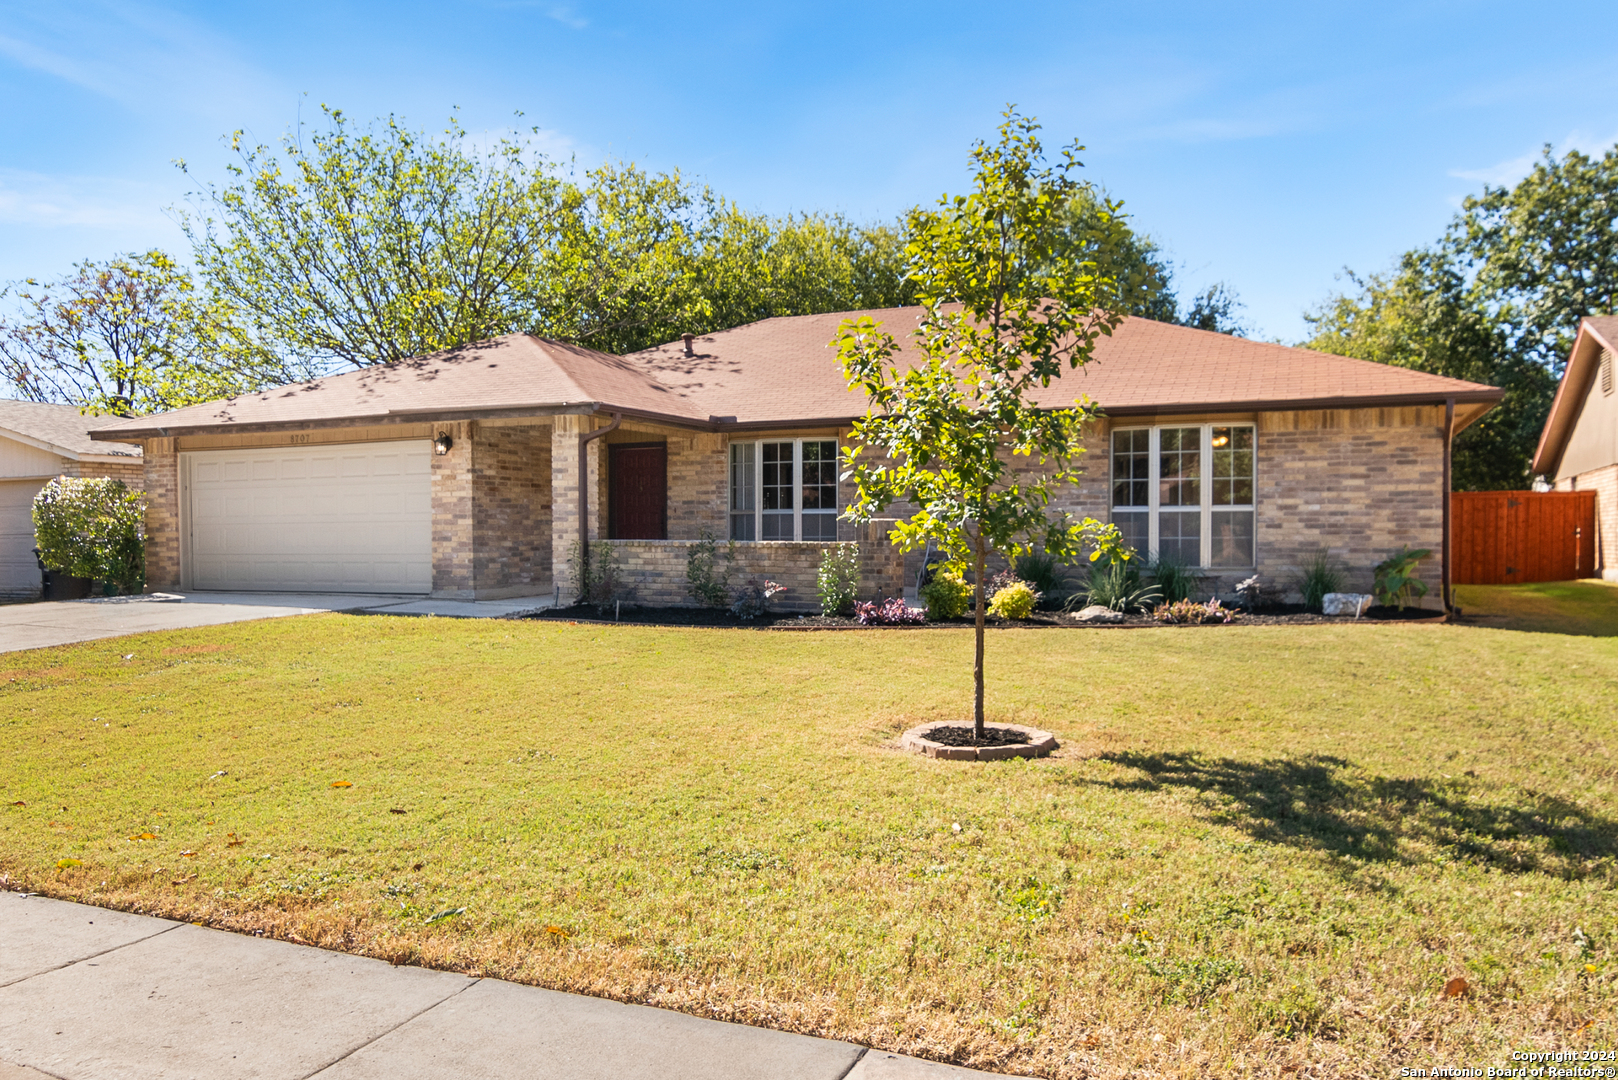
1498	300
129	336
1012	298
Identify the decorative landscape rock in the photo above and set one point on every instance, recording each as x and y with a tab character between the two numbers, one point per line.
1038	743
1345	603
1095	613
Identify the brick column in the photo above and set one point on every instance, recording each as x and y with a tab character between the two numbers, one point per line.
565	434
453	548
162	481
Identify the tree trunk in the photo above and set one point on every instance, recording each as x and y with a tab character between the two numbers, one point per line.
977	670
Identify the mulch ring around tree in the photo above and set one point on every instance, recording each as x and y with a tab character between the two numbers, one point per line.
954	741
637	615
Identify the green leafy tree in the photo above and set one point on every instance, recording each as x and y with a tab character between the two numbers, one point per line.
369	244
129	336
1011	301
1425	317
1215	308
1544	253
1497	300
1129	265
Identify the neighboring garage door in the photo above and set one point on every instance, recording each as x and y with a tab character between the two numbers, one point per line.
349	518
19	573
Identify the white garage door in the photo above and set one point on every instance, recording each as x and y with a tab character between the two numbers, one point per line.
19	573
354	518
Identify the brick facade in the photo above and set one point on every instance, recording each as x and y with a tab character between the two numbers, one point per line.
511	507
492	512
1604	482
131	472
161	468
653	571
1360	483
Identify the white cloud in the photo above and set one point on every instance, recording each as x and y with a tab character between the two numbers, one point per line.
564	14
1508	172
141	56
82	201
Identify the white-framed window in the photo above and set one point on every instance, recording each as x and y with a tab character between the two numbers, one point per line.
783	489
1185	492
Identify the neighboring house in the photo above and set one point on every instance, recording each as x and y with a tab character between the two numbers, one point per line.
1578	449
458	474
37	443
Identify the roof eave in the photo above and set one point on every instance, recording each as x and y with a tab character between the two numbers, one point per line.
1569	395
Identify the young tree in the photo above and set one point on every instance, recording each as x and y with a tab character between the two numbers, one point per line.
1010	301
129	336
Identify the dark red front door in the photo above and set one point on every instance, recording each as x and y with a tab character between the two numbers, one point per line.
637	491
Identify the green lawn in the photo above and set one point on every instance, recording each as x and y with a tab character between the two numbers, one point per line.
1554	607
1260	850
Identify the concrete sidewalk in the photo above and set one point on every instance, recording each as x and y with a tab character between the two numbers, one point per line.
64	622
89	993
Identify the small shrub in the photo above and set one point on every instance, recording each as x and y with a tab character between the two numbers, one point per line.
1396	583
1319	575
1173	579
708	585
753	599
1042	571
894	612
1191	613
837	582
1014	601
595	583
1116	586
93	528
948	595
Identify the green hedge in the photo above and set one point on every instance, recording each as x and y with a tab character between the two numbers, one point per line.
93	529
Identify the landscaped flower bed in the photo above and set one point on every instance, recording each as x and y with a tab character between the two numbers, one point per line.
1277	615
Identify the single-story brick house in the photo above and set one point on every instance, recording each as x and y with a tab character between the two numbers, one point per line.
1578	447
458	474
38	443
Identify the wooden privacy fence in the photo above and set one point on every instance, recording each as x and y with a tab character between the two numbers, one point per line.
1514	537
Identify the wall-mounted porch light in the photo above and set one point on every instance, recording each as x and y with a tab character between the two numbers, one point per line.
442	444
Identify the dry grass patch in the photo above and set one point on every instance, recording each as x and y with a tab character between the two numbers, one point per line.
1261	851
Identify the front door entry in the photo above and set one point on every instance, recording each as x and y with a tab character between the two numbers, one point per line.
637	491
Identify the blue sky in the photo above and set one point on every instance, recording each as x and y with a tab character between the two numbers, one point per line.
1267	148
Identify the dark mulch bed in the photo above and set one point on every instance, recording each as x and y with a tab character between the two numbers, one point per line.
992	736
1279	615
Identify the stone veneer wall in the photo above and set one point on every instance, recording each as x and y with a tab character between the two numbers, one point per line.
511	507
160	466
652	572
1604	482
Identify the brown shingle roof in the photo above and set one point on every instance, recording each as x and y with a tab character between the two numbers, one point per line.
60	427
782	371
508	373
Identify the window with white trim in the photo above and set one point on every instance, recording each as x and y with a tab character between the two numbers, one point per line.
1185	492
783	489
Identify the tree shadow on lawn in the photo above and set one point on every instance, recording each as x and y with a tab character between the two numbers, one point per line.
1327	804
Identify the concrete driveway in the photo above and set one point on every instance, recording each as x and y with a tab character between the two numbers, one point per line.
64	622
